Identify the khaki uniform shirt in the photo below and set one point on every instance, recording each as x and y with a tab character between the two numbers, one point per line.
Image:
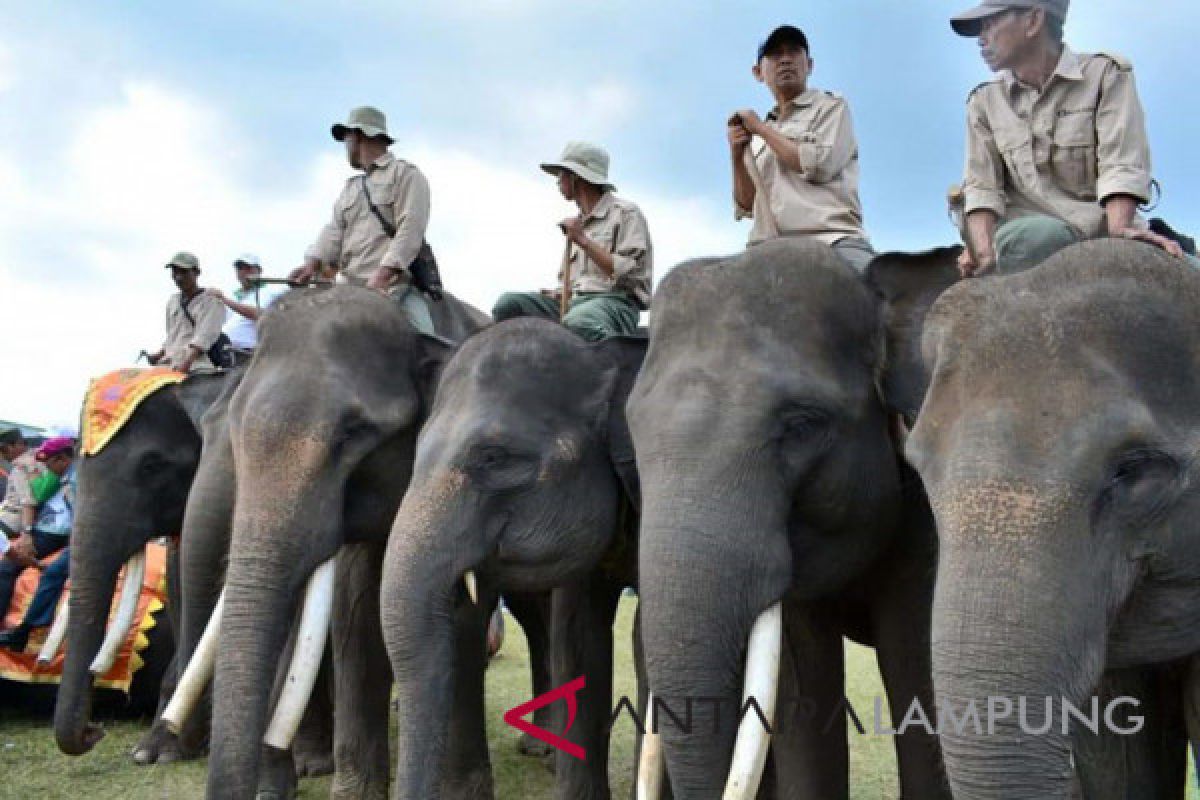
18	492
355	242
1059	151
822	201
209	314
618	226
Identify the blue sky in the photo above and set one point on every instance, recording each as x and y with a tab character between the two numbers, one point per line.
136	129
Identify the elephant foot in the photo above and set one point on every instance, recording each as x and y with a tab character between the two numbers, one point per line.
309	762
534	748
345	788
475	785
277	776
160	746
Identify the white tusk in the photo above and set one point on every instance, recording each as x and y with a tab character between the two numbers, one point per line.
650	765
54	638
198	673
306	658
122	621
472	586
762	684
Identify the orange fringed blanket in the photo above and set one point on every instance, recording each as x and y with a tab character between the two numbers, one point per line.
23	666
111	400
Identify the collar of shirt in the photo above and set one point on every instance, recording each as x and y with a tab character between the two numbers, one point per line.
1069	68
603	206
381	162
802	100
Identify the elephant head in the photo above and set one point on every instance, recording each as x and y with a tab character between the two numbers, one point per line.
766	467
323	428
132	491
519	476
1057	441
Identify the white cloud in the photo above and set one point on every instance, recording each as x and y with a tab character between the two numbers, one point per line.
8	68
592	112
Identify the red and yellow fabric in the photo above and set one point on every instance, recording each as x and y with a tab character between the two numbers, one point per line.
111	400
24	666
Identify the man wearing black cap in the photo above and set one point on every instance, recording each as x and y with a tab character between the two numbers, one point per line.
379	219
801	179
1056	142
194	319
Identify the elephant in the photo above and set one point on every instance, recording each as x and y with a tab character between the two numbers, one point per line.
776	509
1056	433
524	475
323	428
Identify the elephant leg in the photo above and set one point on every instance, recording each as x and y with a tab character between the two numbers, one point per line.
1148	765
466	765
581	644
532	612
362	676
810	754
312	752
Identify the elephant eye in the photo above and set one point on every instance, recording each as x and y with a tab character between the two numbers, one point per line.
803	421
496	467
1142	481
150	466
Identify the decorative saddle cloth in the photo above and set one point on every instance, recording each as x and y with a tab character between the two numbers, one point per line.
111	400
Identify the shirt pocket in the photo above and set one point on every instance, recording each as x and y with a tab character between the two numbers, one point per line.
1073	152
1015	144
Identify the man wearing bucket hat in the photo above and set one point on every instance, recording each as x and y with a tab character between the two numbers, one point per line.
608	260
379	220
194	319
1056	142
802	178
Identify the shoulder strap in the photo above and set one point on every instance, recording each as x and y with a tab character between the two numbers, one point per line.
184	302
388	227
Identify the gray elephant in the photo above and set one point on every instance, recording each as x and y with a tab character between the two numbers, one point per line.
1057	441
323	428
775	503
524	475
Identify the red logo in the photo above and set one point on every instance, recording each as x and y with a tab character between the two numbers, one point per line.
568	690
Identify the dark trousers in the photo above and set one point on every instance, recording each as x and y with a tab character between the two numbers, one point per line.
49	589
43	545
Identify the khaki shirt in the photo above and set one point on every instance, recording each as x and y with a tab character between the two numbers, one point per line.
618	226
18	493
1059	151
822	201
209	314
355	242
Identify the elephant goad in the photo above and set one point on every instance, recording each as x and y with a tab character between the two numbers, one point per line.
1058	442
770	483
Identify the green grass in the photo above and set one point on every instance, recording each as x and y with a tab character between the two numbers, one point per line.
32	767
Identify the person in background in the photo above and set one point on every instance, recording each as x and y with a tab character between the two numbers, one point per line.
194	319
18	509
12	447
250	299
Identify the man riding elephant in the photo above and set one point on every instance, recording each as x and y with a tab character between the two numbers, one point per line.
1057	150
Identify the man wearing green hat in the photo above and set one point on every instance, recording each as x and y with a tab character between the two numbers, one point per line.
194	319
1056	142
608	260
379	219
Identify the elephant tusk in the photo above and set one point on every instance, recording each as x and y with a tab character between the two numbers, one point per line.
198	673
762	684
472	586
54	638
122	621
306	658
650	765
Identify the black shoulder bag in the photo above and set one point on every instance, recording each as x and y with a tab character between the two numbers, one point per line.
424	268
221	352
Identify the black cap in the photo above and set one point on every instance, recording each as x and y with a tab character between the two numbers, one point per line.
784	34
10	436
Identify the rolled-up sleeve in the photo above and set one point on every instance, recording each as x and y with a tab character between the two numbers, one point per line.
1122	148
209	313
411	215
826	150
983	175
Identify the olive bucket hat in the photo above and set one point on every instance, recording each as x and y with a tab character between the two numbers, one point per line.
184	260
370	121
970	22
588	161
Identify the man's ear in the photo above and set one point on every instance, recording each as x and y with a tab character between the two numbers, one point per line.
627	353
908	284
756	71
433	353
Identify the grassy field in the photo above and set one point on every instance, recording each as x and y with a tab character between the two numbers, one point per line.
32	767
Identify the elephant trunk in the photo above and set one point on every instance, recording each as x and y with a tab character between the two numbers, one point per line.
1014	641
710	566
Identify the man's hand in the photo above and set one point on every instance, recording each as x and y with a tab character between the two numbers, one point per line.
572	228
301	275
749	120
153	358
383	279
23	552
220	295
1150	237
971	267
739	138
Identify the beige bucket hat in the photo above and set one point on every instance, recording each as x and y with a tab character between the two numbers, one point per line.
367	119
970	22
184	260
587	160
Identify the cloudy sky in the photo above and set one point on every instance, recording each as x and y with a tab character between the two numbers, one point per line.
135	129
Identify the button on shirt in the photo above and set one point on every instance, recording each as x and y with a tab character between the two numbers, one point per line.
619	227
243	331
822	201
209	315
355	242
1060	150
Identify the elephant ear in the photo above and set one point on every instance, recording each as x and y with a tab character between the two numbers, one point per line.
433	353
908	284
627	353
